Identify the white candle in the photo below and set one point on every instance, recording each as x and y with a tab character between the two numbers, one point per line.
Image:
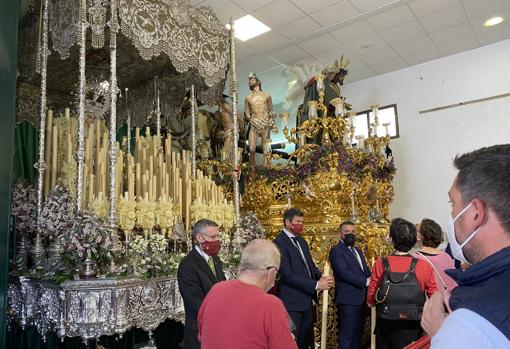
325	301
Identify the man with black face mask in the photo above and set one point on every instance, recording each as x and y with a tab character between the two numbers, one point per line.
352	277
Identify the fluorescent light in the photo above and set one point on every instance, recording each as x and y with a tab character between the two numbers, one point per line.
493	21
248	27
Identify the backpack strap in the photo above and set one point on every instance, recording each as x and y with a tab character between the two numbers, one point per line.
386	264
435	269
412	266
411	270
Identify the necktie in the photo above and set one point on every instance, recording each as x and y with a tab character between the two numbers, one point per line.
358	258
211	265
295	240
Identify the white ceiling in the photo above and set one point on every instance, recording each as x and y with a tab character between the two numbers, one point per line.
378	36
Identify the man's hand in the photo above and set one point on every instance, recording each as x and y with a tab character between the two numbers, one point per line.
325	283
435	311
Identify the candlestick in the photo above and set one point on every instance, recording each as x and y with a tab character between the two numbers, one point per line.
193	134
81	108
114	27
235	126
47	158
42	57
128	124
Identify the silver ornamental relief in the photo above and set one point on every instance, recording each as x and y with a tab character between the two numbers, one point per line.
97	19
92	308
63	25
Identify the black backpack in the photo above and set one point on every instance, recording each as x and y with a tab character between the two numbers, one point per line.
400	297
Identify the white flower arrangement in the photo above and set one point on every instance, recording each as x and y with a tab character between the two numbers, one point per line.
145	214
165	214
127	214
223	213
99	206
150	257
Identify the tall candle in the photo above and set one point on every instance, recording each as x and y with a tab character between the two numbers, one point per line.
69	148
325	303
47	160
138	180
54	157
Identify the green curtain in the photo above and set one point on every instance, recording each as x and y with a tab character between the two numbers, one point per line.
26	143
26	140
168	335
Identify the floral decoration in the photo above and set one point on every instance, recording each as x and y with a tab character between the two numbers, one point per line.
24	206
165	214
150	257
99	206
354	162
126	210
88	234
145	214
58	213
223	213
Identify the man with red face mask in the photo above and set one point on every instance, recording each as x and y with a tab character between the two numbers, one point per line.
197	273
300	279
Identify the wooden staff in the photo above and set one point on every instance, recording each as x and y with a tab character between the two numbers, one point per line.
325	303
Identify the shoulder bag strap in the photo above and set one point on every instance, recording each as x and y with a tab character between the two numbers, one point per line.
435	270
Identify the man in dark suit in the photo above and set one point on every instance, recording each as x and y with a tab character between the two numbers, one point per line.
197	273
352	277
300	278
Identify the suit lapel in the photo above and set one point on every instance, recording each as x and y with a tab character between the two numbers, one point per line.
352	256
363	261
202	264
294	248
217	268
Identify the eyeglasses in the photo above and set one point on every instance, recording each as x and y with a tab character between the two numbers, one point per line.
277	277
210	238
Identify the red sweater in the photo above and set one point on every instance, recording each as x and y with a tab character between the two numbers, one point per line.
400	264
237	315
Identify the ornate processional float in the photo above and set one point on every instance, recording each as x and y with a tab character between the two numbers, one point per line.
99	236
127	162
332	176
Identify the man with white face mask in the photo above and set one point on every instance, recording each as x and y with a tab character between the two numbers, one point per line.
476	314
239	313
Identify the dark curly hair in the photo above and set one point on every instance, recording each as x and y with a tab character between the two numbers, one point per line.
292	212
403	234
431	233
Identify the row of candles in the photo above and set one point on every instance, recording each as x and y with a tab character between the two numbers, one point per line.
152	172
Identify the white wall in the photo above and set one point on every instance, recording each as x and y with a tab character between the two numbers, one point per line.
429	142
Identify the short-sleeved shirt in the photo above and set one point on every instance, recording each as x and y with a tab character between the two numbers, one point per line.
238	315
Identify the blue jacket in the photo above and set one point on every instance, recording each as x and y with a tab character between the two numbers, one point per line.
296	289
350	279
484	289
